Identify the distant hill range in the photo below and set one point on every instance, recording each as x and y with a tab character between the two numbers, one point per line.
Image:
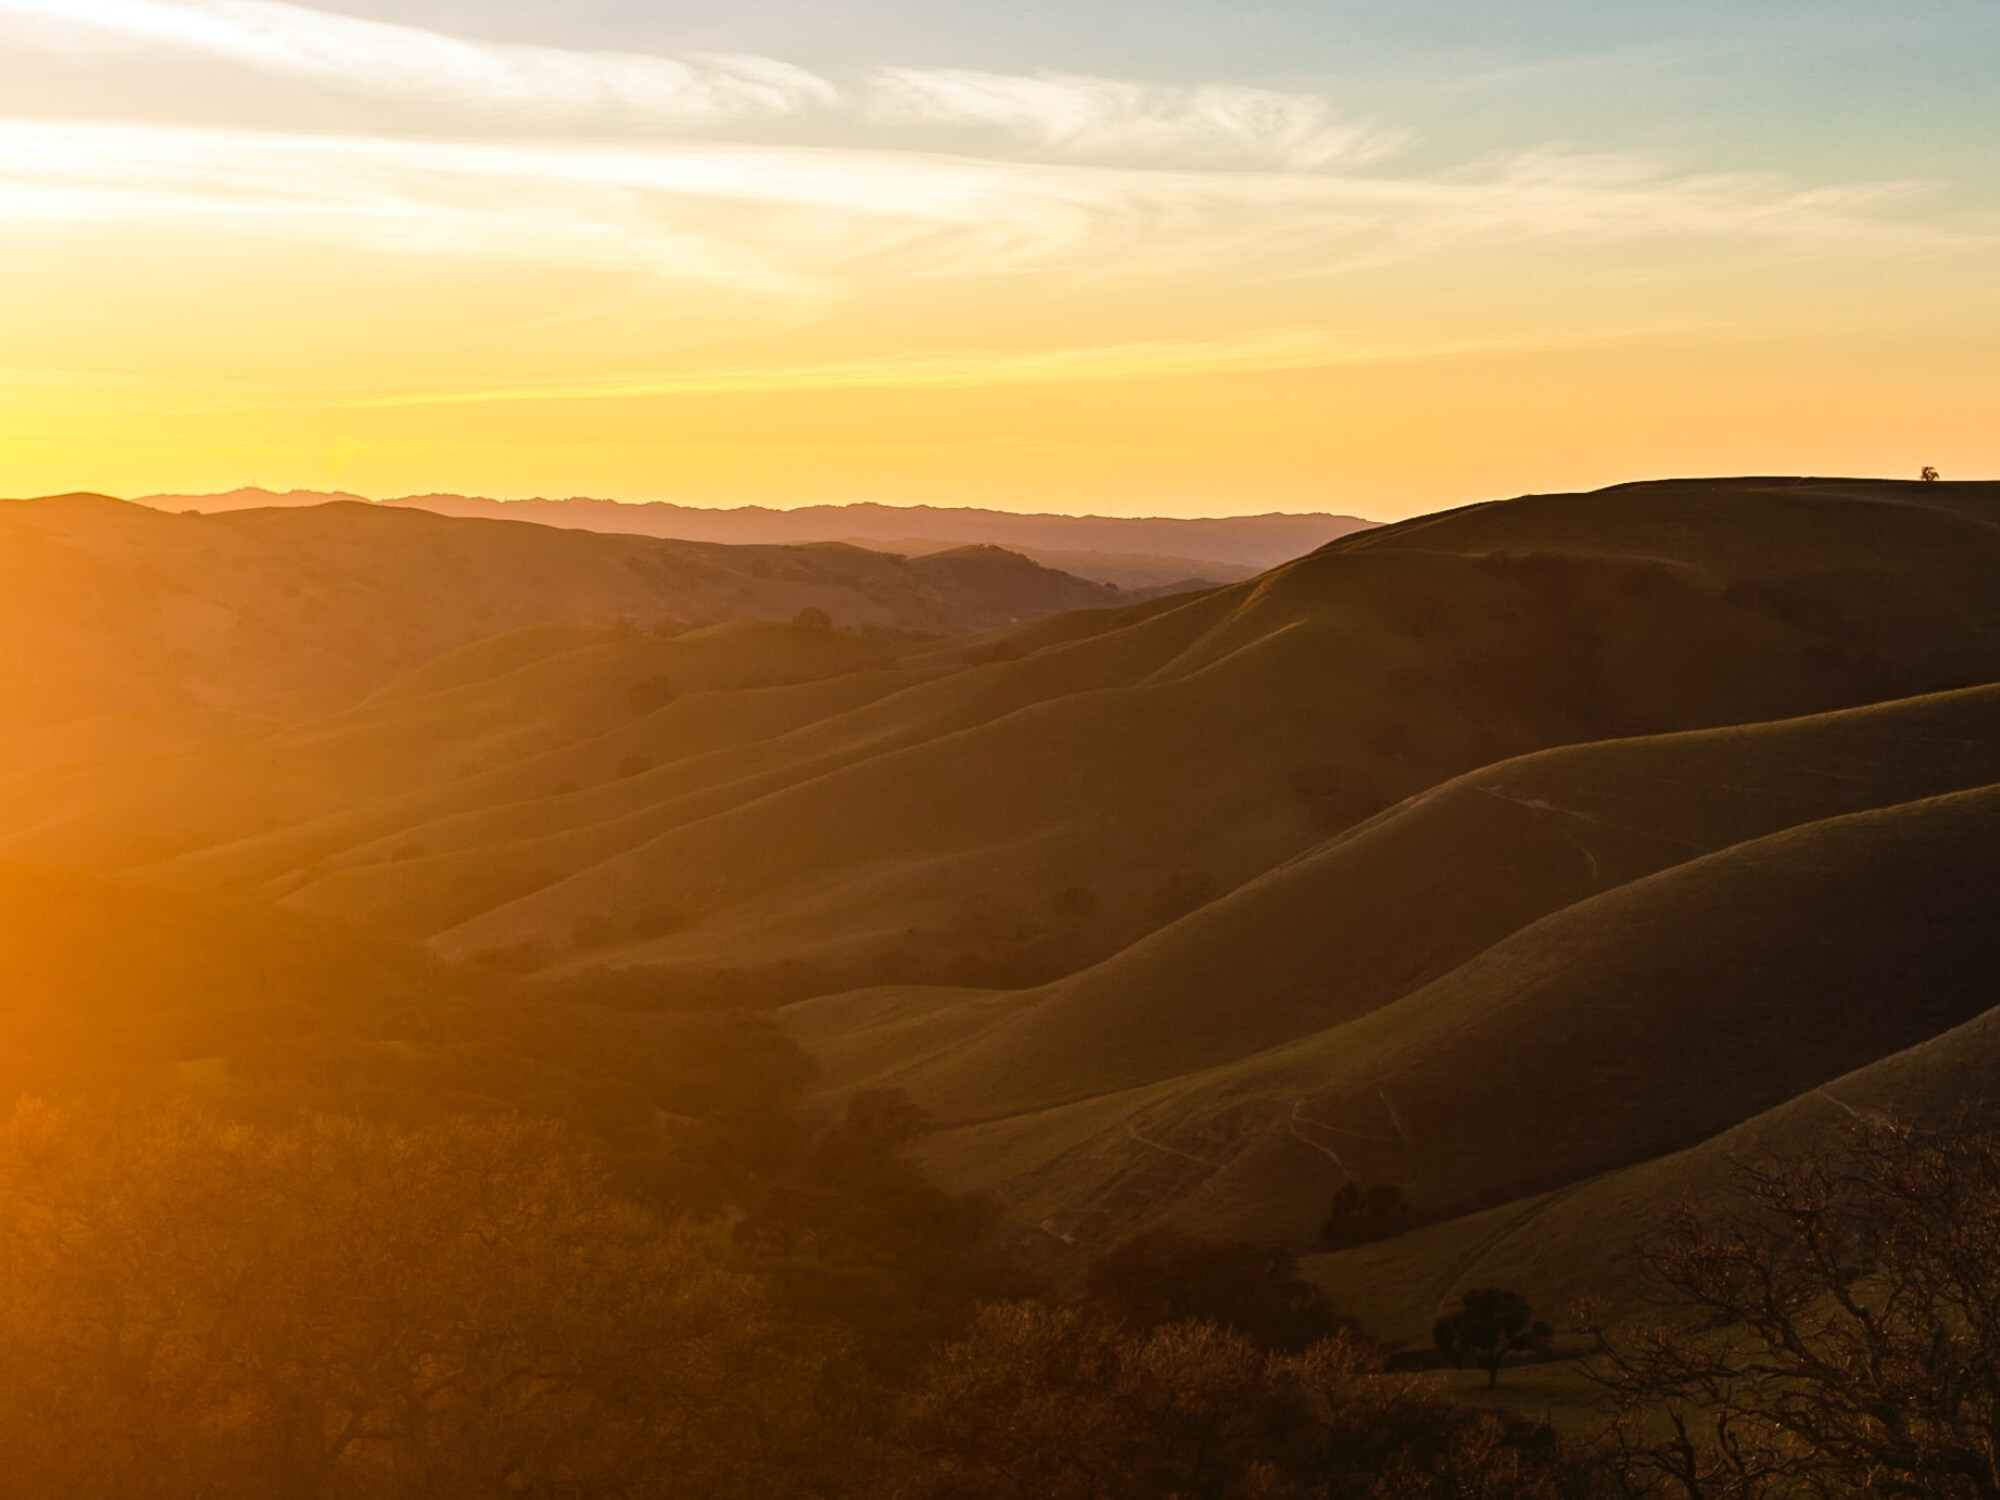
126	625
1133	552
1534	858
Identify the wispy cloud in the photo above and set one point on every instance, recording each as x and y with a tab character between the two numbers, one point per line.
741	212
1138	230
1067	116
411	64
1107	117
1031	165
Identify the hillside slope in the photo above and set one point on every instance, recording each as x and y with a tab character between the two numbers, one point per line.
1011	809
1563	1247
106	980
1485	854
114	988
1381	910
1600	1036
126	624
1238	729
1249	543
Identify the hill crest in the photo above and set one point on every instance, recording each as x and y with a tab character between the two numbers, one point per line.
1219	548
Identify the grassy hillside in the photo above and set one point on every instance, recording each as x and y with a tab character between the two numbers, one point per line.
1013	808
126	623
1601	1036
1136	572
1486	854
569	707
1820	949
1203	744
1575	1243
1381	910
117	989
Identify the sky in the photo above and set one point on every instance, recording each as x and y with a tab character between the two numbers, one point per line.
1178	257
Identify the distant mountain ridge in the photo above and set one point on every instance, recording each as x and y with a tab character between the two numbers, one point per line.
1241	544
126	624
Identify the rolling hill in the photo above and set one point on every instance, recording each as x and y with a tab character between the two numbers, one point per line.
1498	855
1576	1243
1404	899
1014	819
1133	551
127	624
1595	1038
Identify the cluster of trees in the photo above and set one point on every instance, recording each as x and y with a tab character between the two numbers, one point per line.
466	1308
199	1308
1163	1278
846	1234
452	1304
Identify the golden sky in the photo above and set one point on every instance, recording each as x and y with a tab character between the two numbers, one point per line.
379	250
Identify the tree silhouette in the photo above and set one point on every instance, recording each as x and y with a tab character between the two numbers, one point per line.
1490	1324
1929	475
1846	1318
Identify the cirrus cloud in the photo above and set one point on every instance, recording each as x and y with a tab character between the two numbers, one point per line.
827	213
1067	116
411	64
1108	117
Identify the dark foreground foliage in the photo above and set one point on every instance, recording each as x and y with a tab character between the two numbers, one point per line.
1160	1278
330	1308
1836	1333
339	1309
195	1308
1041	1403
